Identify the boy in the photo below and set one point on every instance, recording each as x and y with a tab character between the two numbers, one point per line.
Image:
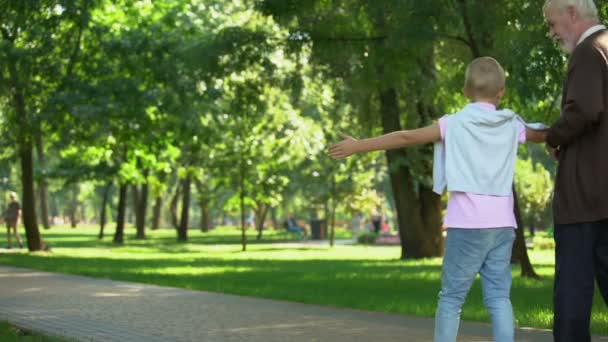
475	154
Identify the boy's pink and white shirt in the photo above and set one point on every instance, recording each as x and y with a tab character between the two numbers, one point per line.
467	210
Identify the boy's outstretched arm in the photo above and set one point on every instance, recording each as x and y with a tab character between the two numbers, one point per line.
536	136
399	139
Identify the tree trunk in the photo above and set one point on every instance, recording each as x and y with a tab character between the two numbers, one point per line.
173	206
140	214
332	217
102	214
132	210
42	186
83	213
520	252
54	209
242	198
182	232
420	235
120	217
134	204
74	206
156	213
432	220
260	217
34	240
203	202
273	217
205	218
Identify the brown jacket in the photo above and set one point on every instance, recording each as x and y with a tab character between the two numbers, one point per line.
581	185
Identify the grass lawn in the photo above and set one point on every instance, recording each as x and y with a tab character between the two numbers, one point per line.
11	333
362	277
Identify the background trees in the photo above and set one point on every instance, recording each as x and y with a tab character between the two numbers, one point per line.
187	111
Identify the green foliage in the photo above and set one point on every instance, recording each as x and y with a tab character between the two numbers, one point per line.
367	238
9	332
249	97
534	188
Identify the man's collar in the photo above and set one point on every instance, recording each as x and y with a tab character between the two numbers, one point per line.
589	32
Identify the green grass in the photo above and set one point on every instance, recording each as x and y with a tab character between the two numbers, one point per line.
362	277
9	332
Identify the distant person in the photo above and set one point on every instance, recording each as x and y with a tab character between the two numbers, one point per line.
293	226
376	220
11	216
250	221
475	153
355	224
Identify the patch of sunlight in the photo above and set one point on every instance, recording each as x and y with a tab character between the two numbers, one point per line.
191	270
537	317
283	252
115	294
64	238
599	319
542	257
425	275
109	254
430	262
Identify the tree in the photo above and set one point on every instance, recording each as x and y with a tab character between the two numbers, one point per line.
357	42
36	62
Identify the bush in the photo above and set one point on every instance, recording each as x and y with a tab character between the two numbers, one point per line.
368	238
534	187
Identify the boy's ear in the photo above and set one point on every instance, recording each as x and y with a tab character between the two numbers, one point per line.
501	93
466	92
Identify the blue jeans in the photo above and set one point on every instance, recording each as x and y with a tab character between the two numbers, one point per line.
468	252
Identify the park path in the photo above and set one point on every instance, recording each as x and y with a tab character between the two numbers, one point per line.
90	309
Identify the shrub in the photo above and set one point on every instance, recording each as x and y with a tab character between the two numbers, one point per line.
368	238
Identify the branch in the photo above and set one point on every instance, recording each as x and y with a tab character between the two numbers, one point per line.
467	26
76	51
304	35
350	39
459	39
7	35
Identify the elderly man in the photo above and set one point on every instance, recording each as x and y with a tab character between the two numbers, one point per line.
579	141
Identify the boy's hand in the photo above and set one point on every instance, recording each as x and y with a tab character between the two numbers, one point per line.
536	136
553	152
344	148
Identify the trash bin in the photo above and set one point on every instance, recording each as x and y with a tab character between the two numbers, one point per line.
318	229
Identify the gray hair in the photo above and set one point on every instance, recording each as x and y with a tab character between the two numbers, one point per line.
586	8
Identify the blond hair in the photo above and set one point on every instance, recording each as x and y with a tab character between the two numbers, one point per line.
484	78
586	8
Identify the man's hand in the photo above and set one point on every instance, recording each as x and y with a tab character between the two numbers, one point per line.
344	148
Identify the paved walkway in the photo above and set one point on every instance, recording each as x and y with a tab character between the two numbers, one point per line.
89	309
